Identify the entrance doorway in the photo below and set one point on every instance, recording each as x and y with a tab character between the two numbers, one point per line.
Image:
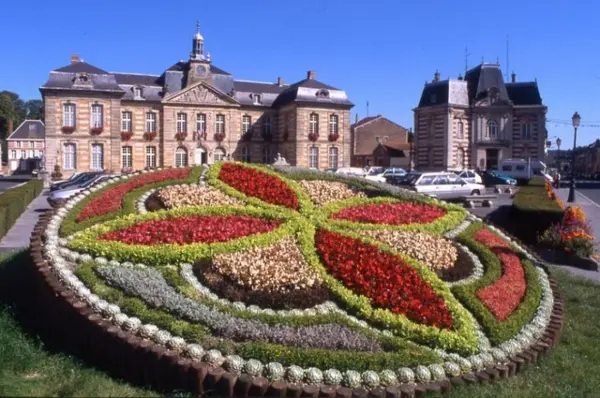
200	156
491	159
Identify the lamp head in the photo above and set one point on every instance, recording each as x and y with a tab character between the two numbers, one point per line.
576	119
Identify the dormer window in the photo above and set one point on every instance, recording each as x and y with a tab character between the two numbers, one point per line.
82	79
257	98
138	93
322	94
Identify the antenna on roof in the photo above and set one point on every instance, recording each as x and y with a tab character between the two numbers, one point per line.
367	108
507	64
466	59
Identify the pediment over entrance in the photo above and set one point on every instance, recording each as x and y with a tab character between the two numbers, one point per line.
201	94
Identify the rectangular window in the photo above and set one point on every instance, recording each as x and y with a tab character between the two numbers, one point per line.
182	123
201	123
313	158
246	154
97	157
126	124
19	144
36	153
69	157
69	115
96	116
150	122
313	124
23	154
266	125
526	131
333	124
220	124
180	157
31	144
151	157
13	154
29	154
333	158
246	123
257	99
38	144
127	157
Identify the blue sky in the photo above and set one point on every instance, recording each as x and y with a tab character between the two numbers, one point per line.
381	51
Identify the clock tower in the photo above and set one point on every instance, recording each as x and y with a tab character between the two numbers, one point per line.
199	64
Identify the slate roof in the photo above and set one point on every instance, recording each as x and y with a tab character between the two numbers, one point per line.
81	67
137	79
181	66
306	91
479	80
29	130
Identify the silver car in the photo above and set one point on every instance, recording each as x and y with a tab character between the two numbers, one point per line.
70	190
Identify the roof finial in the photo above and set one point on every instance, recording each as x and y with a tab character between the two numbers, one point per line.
197	26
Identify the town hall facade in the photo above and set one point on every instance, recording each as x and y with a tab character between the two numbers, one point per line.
193	113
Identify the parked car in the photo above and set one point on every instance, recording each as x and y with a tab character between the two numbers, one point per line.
468	175
446	186
351	171
391	173
76	179
494	177
70	190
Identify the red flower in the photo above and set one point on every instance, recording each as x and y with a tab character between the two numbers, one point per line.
191	229
391	213
111	200
260	185
504	295
383	278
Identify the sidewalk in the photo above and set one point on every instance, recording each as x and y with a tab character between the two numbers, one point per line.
589	207
18	236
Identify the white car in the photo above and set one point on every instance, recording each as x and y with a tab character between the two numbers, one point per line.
446	186
351	171
392	173
469	176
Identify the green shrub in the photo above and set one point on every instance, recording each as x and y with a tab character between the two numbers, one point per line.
14	202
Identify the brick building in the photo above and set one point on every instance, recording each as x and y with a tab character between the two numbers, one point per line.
587	159
377	141
26	146
193	113
478	120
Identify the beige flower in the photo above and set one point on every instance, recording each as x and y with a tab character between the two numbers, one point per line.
433	251
323	192
195	195
279	267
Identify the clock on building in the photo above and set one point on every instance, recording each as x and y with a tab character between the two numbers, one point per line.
201	71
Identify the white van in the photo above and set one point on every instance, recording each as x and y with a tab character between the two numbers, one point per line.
522	169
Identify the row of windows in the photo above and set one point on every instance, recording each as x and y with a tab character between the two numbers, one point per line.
313	125
127	122
22	154
30	144
491	130
97	119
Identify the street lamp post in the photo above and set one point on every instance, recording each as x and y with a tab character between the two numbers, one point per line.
576	120
558	142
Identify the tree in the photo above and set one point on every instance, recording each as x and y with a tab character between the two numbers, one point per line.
7	112
34	109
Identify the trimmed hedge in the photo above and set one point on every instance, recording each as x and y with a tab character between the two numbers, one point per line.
533	211
14	202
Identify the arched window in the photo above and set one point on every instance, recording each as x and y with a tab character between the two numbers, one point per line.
460	158
461	130
313	157
180	157
219	154
491	131
333	158
313	124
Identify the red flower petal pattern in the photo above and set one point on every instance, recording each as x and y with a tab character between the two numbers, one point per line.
383	278
391	213
111	200
191	229
260	185
504	295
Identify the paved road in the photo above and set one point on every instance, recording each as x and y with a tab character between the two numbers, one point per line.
593	193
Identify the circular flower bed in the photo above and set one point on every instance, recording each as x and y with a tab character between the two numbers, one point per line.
251	279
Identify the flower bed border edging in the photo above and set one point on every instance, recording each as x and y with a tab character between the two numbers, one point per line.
144	362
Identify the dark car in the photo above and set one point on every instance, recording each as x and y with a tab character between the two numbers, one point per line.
494	177
75	180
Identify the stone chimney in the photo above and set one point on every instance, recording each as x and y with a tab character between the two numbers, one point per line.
436	76
75	58
513	77
311	75
280	81
10	127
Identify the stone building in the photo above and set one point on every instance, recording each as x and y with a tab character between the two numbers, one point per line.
478	120
193	113
26	146
377	141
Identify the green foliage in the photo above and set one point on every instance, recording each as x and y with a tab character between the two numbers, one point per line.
533	197
497	331
70	225
13	203
404	353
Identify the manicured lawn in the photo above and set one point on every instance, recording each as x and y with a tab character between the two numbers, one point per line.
27	368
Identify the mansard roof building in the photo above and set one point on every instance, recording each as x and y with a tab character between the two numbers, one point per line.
478	120
192	113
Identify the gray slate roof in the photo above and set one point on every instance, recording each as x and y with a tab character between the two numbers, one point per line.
478	81
29	130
